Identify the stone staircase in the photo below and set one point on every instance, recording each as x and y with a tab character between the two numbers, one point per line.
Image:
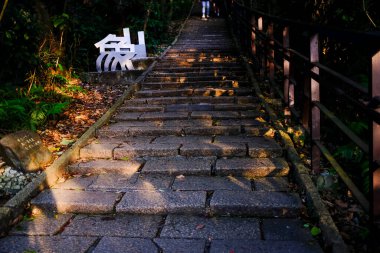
184	166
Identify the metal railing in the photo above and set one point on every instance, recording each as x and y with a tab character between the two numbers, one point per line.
294	69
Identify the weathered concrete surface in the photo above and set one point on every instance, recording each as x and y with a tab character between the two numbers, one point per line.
95	150
106	166
76	183
75	201
113	182
271	184
251	167
179	165
213	149
162	202
122	245
285	230
182	226
197	183
247	246
56	244
262	204
42	225
182	139
141	150
181	245
143	226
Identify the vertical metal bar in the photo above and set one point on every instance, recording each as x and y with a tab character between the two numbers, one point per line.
315	112
270	58
253	35
286	70
260	23
375	91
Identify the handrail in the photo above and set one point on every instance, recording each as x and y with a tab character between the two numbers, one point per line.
257	37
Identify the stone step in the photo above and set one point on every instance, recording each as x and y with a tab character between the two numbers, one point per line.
159	201
192	78
210	64
196	84
233	146
192	100
212	92
199	69
141	108
199	74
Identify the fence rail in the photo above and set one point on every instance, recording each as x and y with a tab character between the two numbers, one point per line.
297	71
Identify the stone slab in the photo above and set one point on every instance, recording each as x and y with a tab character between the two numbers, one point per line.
162	202
213	149
181	245
189	107
182	226
252	168
285	230
271	184
259	204
76	201
76	183
56	244
182	139
179	165
263	147
42	225
154	131
124	116
235	107
196	183
166	93
214	130
142	108
95	150
215	115
113	182
122	245
140	150
106	166
164	116
24	150
249	246
188	123
145	226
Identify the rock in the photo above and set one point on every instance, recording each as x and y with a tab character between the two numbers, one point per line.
24	150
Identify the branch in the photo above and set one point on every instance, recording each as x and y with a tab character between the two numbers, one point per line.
3	10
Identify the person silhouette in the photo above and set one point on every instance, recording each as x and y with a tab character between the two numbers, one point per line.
205	9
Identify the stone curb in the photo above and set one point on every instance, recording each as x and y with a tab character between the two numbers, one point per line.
16	206
330	233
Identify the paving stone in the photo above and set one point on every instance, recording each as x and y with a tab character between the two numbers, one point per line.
213	100
95	150
76	201
182	226
254	131
135	101
179	165
56	244
154	131
42	225
214	130
235	107
213	92
261	204
250	114
162	202
122	245
249	246
113	182
189	107
214	149
164	116
106	166
181	245
263	147
168	100
182	139
76	183
151	182
271	184
166	93
126	116
140	150
252	168
285	230
196	183
239	122
216	115
145	226
149	108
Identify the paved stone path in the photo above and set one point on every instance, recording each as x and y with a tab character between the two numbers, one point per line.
183	167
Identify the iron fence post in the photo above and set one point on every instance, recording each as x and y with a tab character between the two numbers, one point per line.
375	143
288	87
315	111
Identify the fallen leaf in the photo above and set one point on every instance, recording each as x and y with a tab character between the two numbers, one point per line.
200	226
